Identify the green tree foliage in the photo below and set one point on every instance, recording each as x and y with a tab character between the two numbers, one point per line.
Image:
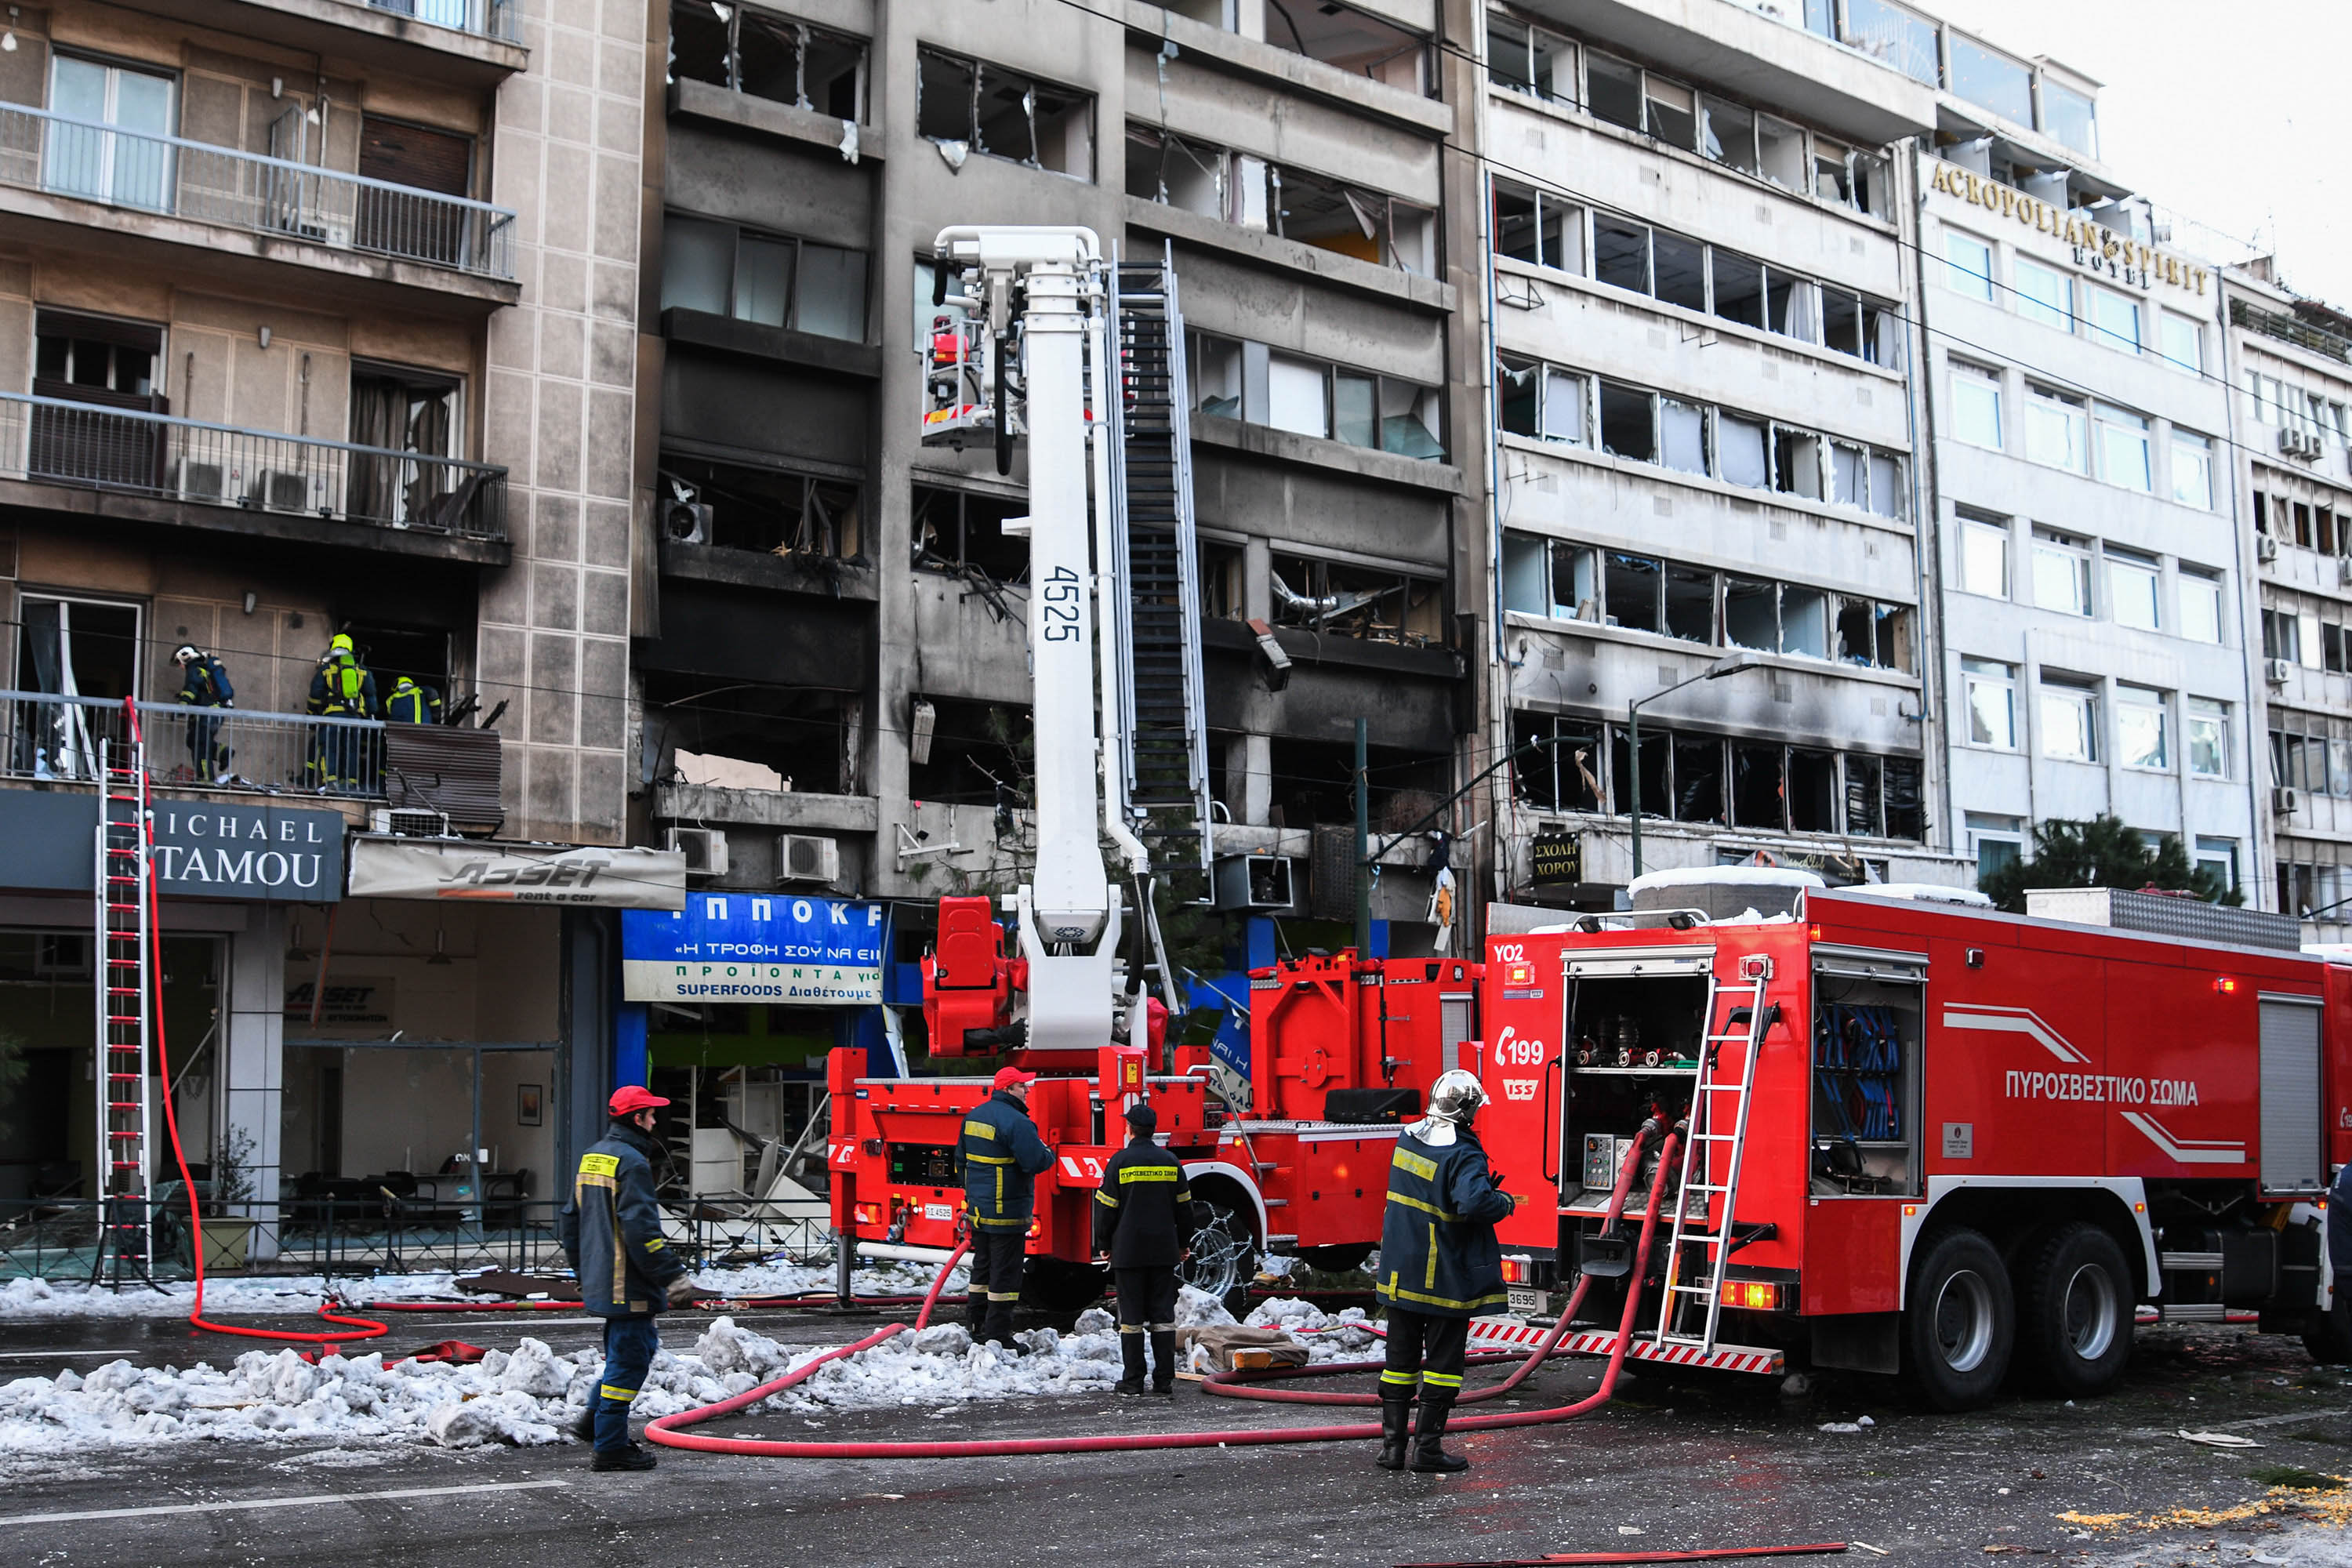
2103	853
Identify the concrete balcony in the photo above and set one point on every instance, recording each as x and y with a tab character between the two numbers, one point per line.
793	811
469	43
190	206
152	468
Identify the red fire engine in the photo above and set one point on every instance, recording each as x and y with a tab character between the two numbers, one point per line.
1926	1137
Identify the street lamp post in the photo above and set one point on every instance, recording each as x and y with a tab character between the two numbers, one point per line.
1732	665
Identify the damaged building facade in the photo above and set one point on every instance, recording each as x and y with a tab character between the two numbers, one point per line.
1698	316
2289	373
317	319
2092	585
831	659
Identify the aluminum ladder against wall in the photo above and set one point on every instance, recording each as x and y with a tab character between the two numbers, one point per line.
1692	1302
123	974
1165	737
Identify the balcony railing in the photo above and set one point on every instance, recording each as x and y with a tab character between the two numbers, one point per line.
488	18
169	174
47	736
60	441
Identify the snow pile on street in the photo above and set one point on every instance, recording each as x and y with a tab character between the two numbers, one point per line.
1196	1308
939	1365
1328	1336
36	1300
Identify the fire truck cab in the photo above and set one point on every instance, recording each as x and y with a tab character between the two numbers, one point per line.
1924	1137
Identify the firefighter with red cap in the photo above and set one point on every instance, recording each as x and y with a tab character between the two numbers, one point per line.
611	1230
1002	1155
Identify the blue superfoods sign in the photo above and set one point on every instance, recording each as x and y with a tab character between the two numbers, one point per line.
754	947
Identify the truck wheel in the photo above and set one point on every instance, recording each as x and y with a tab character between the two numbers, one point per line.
1225	1252
2076	1311
1051	1285
1961	1326
1336	1259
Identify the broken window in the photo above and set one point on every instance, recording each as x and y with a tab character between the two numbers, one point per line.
1530	60
1812	791
1214	370
1690	604
1865	780
770	510
1857	631
1842	321
1682	429
1519	395
1612	89
1727	135
1299	396
1354	41
1679	266
1833	174
1563	407
1796	462
1738	289
1699	779
1804	622
802	732
1627	425
1758	785
1789	305
1751	614
1780	153
1223	595
1330	215
1340	599
1740	449
1563	774
1673	112
978	753
768	55
1849	474
968	106
773	280
1882	335
956	530
1621	253
1180	173
1634	592
1409	416
1906	811
1886	494
1575	583
1656	756
1355	409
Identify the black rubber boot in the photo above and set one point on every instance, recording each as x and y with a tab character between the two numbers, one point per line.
1130	1353
1396	1428
1163	1361
585	1428
1428	1454
976	1313
632	1457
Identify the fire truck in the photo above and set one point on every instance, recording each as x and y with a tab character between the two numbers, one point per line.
1924	1137
1341	1046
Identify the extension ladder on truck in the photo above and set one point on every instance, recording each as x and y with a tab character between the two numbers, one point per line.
1165	736
1704	1235
125	953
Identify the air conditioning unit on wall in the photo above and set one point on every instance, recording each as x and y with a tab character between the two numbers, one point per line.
2285	802
2276	671
806	858
685	523
2266	547
705	850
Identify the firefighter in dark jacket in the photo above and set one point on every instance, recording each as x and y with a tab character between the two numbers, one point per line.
612	1231
1439	1268
204	683
341	687
1143	1224
1002	1155
413	704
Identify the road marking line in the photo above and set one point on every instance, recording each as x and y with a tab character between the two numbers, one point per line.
44	1355
302	1501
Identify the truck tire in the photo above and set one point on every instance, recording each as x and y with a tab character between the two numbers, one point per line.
1960	1327
2075	1308
1051	1285
1224	1251
1336	1259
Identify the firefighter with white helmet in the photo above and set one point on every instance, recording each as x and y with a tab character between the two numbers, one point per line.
1439	1267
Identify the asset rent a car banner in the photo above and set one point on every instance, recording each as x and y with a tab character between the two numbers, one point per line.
756	947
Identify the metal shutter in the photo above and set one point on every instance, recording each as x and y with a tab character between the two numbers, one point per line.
2291	1110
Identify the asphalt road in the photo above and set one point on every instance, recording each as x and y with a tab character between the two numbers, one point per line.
1671	1464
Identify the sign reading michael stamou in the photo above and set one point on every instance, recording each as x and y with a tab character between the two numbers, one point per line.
204	850
437	868
754	947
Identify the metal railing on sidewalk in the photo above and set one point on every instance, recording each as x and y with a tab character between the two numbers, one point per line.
61	441
62	155
44	736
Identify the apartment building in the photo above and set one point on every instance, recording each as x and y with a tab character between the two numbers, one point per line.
831	657
316	319
1697	313
2289	371
2088	572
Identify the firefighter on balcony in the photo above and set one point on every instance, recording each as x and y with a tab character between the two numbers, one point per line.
341	688
1143	1224
1002	1155
411	703
204	684
1439	1267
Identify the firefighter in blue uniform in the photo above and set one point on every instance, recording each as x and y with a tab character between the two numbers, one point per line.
411	703
611	1230
1002	1155
341	688
204	684
1143	1224
1439	1268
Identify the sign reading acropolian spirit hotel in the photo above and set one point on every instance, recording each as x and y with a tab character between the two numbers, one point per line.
2096	247
204	850
476	871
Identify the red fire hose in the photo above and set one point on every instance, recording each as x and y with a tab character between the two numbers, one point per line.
710	1303
665	1429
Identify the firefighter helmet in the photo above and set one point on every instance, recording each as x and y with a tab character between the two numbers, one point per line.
1456	1096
